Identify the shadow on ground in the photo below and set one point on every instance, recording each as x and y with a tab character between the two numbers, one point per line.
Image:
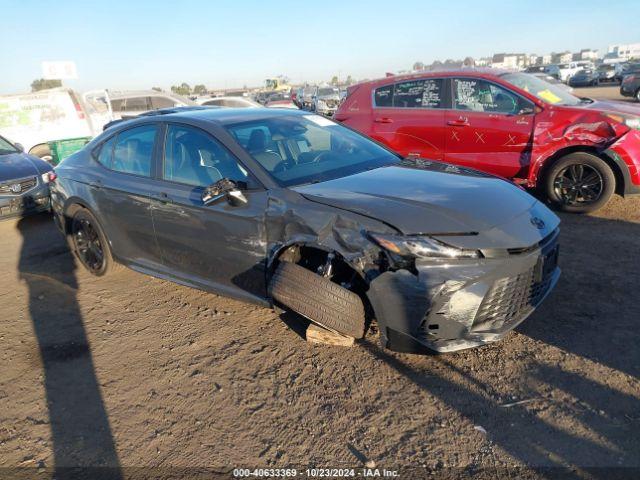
80	427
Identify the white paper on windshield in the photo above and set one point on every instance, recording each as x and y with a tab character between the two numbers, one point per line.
319	120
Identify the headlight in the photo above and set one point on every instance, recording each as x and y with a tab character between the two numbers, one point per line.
48	177
420	247
628	120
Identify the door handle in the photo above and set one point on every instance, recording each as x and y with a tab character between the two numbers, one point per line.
383	120
96	184
161	197
459	122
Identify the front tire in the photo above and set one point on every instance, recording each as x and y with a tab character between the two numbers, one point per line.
579	183
90	245
318	299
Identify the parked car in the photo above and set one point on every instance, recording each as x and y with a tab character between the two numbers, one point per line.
630	85
37	118
584	78
229	102
553	81
280	100
568	70
290	208
553	71
24	181
606	73
130	104
577	151
326	100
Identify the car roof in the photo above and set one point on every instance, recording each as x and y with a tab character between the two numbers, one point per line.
467	72
219	116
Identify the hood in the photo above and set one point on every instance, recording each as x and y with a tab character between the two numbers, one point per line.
434	198
20	165
613	106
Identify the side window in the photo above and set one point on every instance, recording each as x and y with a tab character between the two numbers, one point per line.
161	102
418	94
481	96
383	96
116	105
137	104
134	150
194	157
104	155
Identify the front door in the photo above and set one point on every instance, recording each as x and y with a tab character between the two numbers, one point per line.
221	245
409	117
489	128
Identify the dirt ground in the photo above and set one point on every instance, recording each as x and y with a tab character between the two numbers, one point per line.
602	92
156	379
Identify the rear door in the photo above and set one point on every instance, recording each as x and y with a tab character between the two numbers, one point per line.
489	128
222	246
409	117
122	192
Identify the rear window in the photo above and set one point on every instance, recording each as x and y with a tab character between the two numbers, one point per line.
427	93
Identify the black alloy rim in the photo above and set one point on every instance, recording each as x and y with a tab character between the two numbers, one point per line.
88	245
578	184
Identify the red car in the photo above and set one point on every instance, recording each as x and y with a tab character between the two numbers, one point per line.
577	151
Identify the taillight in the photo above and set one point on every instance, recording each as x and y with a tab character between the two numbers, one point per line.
49	177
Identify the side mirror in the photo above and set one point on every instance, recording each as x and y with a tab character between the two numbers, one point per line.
19	147
225	188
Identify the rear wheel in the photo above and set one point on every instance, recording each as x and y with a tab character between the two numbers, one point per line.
318	299
580	183
90	244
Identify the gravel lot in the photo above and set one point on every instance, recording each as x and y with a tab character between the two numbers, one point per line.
130	371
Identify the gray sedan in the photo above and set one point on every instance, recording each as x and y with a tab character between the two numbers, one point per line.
287	208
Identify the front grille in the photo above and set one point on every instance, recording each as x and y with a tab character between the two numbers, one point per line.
510	298
18	186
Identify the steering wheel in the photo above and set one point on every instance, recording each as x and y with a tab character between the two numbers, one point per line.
280	167
320	157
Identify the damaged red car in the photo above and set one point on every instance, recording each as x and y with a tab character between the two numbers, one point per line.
576	151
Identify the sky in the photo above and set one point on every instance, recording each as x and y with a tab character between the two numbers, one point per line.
224	44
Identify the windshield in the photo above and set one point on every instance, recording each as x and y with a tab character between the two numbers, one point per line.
545	91
298	149
327	91
6	147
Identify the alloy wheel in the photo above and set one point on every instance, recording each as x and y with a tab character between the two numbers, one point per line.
578	184
88	245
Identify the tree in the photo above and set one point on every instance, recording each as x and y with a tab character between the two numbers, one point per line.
469	62
334	80
199	90
42	84
183	89
418	66
349	80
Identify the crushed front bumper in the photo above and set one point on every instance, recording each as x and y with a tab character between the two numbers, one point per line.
452	305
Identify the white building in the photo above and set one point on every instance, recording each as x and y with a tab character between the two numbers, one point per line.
629	51
510	61
587	54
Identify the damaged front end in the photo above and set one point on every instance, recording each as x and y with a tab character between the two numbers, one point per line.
456	303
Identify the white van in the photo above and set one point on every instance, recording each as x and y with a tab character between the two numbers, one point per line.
33	119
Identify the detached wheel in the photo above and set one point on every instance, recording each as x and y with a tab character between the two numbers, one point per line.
580	183
90	244
318	299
